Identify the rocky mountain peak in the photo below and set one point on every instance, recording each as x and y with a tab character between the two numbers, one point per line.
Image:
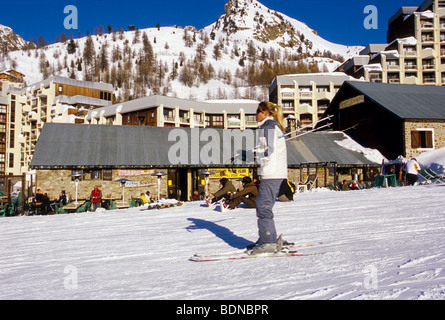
9	40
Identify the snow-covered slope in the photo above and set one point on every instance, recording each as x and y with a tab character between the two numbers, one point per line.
376	244
212	63
10	40
249	19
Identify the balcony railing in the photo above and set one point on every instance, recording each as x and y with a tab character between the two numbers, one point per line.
393	66
410	53
306	94
428	67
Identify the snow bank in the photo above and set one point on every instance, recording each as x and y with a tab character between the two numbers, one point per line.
370	154
435	160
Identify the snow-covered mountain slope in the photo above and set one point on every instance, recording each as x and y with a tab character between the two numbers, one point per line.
235	57
10	41
249	19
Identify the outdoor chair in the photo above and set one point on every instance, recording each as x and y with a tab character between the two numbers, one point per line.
4	212
59	209
87	206
309	184
430	175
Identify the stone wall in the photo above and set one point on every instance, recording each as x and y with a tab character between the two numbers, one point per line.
53	182
439	135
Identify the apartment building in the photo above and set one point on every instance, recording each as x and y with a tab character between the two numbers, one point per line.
56	99
162	111
415	49
11	76
305	97
3	117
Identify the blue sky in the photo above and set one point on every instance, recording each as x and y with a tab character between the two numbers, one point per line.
338	21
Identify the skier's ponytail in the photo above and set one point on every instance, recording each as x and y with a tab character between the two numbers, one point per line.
274	110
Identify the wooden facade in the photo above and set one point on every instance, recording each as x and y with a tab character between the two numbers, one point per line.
69	90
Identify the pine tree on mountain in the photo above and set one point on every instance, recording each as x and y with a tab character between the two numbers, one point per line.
89	52
186	76
217	51
71	48
103	58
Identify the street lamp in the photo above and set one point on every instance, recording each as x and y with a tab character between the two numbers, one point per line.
159	174
123	182
76	175
206	174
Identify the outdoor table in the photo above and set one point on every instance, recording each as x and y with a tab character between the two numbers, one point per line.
72	207
388	180
122	205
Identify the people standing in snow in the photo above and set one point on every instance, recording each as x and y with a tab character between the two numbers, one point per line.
225	191
412	168
272	156
96	197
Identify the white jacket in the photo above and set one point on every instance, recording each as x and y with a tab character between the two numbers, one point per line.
412	166
272	152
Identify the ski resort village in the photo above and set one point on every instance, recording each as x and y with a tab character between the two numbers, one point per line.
133	162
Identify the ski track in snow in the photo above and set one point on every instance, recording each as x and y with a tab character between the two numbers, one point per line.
130	254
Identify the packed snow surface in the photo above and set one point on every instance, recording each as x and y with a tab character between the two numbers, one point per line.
376	244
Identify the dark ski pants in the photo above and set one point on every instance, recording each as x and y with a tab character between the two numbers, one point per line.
412	179
265	201
242	199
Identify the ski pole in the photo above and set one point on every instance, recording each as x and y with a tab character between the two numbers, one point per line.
309	126
302	134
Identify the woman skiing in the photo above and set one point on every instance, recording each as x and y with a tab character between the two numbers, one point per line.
272	156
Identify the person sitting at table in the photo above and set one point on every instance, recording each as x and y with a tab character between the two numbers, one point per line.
39	196
96	197
60	202
145	197
45	204
41	201
172	194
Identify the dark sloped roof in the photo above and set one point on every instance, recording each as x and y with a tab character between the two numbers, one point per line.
77	145
320	147
405	100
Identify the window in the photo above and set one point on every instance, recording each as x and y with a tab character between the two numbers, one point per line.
217	121
93	175
422	139
288	105
105	95
11	138
107	175
11	160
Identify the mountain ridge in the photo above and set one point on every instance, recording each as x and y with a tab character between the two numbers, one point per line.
234	57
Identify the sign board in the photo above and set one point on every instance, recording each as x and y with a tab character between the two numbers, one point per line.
352	102
230	173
